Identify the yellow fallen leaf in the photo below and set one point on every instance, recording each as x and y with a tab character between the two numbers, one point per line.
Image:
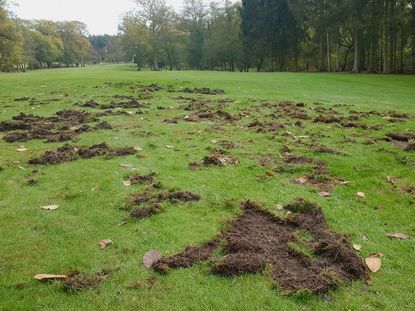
324	194
357	247
361	195
373	263
50	207
21	149
103	243
400	236
42	277
127	183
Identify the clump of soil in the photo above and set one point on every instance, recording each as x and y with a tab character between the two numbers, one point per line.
301	251
204	91
142	179
130	103
331	118
78	281
404	141
146	211
58	128
69	153
219	159
211	115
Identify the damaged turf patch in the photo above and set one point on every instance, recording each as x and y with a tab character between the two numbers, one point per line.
69	153
301	251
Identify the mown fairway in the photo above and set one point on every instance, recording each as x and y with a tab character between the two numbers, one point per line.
93	200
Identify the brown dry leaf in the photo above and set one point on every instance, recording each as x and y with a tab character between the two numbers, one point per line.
357	247
269	174
42	277
325	194
50	207
373	263
396	235
21	149
127	183
103	243
361	195
150	258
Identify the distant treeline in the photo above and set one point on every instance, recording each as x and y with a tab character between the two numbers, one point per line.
263	35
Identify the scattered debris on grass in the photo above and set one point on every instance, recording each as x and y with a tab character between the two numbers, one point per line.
204	91
103	243
69	153
399	236
49	277
374	263
300	250
50	207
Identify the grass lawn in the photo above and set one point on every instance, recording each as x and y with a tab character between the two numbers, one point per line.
93	200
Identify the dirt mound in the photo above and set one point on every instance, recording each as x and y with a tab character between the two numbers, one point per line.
130	103
302	253
57	128
80	281
142	179
204	91
218	159
146	211
404	141
69	153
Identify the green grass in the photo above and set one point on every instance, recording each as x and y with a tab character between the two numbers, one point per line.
35	241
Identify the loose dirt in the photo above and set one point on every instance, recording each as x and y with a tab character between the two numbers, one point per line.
204	91
78	281
63	126
301	251
69	153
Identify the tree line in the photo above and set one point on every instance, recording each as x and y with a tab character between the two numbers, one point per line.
26	44
262	35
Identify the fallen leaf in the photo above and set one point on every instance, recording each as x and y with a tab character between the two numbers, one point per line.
269	174
103	243
361	195
150	258
344	183
214	141
127	183
126	165
122	223
50	207
357	247
138	148
280	207
400	236
15	162
325	194
96	188
42	277
373	263
169	147
21	149
302	180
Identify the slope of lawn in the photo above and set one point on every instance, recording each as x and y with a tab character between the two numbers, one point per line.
93	200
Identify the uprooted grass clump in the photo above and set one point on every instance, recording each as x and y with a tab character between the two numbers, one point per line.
69	153
299	250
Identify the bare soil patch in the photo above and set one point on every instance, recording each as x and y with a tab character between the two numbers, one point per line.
301	251
63	126
69	153
204	91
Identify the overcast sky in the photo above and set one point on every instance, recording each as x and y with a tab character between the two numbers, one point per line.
101	16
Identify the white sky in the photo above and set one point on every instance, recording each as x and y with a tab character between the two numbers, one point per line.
101	16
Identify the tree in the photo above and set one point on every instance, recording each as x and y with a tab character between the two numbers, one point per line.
10	41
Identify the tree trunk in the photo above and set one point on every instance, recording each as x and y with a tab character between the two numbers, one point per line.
356	64
328	51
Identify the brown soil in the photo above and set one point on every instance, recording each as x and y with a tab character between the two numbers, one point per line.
204	91
58	128
69	153
130	103
257	239
79	281
218	159
146	211
142	179
404	141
